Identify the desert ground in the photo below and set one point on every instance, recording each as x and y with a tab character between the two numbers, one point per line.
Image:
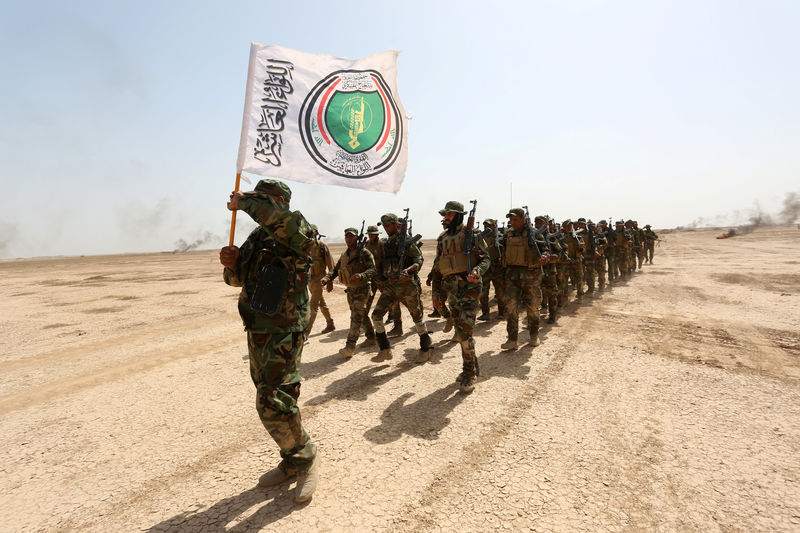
669	402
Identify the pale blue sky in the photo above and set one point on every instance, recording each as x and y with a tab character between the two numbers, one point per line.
119	122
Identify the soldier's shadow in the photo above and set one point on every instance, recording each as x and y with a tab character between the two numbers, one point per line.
506	364
423	419
277	503
334	336
320	367
360	384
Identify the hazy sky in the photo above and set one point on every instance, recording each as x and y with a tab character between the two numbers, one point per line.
120	122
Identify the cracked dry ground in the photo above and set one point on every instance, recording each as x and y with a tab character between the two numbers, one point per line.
667	403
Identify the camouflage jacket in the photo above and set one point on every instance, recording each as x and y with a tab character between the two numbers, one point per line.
353	262
280	240
479	256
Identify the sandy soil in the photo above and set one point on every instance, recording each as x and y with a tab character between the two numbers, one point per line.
669	403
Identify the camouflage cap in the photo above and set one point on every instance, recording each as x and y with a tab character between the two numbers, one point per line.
590	223
647	225
490	221
619	223
354	231
388	218
517	212
453	207
566	222
581	220
602	223
629	221
372	230
274	188
540	217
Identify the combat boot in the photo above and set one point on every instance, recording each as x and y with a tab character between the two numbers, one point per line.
397	330
434	314
510	344
448	325
534	340
484	314
330	327
552	318
348	350
385	351
468	382
277	475
425	344
307	482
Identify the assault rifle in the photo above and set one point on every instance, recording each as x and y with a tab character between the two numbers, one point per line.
411	231
469	235
533	242
404	241
360	243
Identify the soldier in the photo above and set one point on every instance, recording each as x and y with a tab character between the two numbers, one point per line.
323	262
523	278
589	255
550	276
561	263
272	268
575	257
396	269
633	236
610	249
623	245
640	243
650	239
461	272
495	273
600	244
355	268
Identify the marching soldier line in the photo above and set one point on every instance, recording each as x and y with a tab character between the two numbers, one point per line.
531	264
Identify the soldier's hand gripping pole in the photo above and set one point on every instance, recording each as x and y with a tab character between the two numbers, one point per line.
233	213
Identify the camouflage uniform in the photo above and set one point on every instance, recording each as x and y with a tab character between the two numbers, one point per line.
396	287
588	259
323	262
575	256
463	295
355	262
640	243
523	280
623	246
599	250
650	239
610	251
275	341
550	291
494	275
394	311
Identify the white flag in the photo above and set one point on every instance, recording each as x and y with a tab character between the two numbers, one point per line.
323	119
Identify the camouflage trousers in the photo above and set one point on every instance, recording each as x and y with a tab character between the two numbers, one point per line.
575	271
357	298
316	301
463	298
438	292
611	262
563	285
589	273
600	270
523	287
403	291
550	290
649	253
275	370
493	276
640	255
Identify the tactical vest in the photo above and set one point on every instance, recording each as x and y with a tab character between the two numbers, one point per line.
318	267
350	266
453	260
389	261
517	252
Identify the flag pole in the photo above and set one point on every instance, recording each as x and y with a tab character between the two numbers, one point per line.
233	213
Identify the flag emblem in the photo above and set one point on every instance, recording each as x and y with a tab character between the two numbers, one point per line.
351	125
